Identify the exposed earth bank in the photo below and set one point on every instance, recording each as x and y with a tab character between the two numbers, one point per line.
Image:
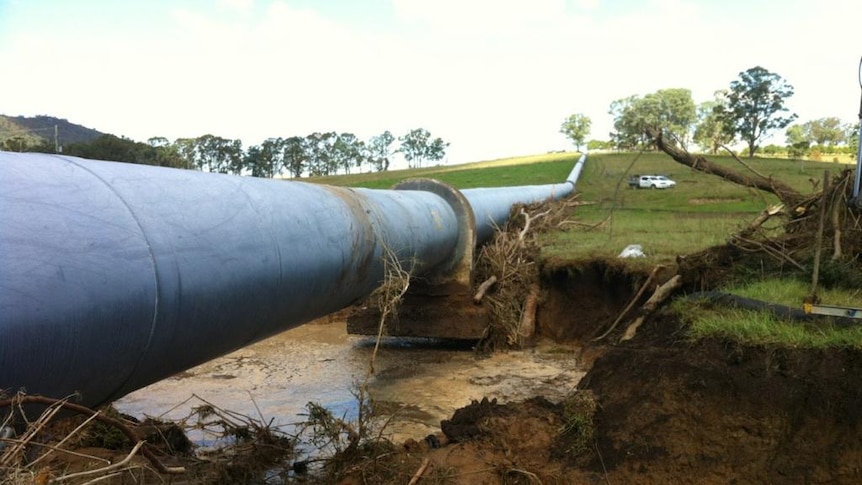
659	408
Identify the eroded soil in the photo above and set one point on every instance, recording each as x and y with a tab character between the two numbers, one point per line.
656	409
666	410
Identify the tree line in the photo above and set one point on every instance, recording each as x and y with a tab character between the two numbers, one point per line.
317	154
750	110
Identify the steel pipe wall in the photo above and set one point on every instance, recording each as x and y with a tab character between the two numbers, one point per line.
114	276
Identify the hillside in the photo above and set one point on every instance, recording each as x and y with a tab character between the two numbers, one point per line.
39	129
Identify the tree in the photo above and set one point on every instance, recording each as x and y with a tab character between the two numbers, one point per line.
670	110
755	106
576	128
853	138
798	141
320	153
347	151
710	132
826	131
295	155
626	136
417	147
379	150
218	154
264	160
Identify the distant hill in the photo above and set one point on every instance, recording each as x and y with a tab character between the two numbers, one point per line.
41	129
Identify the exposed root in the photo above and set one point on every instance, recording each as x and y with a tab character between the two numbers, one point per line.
389	296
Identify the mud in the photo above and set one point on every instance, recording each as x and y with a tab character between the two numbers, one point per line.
419	382
665	410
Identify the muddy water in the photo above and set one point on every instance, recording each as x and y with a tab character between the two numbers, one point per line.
421	382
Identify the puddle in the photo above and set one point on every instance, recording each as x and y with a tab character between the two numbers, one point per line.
421	382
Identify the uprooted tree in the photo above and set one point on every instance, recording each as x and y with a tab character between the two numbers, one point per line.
813	222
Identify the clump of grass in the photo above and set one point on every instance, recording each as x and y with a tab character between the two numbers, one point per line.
577	434
763	328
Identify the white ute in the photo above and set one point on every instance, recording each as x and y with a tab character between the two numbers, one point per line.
651	182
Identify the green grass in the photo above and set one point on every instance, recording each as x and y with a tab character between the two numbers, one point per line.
537	169
761	327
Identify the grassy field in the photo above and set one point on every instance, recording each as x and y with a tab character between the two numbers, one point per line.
700	212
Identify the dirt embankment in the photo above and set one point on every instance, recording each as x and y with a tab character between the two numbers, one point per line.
662	409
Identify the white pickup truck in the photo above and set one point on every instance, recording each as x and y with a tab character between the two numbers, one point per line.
651	182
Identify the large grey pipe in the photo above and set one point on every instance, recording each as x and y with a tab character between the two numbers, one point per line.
114	276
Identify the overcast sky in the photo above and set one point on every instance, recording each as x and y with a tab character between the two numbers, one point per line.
495	78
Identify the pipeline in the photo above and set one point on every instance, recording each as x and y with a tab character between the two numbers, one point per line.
114	276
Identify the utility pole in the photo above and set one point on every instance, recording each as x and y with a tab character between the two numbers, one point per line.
56	144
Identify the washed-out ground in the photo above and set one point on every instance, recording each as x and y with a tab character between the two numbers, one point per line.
419	382
656	409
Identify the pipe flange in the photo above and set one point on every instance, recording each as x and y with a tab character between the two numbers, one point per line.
460	265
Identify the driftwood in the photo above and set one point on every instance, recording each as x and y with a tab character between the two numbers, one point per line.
661	294
631	304
818	239
421	471
759	220
77	408
527	326
483	288
789	196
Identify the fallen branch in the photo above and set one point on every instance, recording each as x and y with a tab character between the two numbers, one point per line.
788	195
527	327
419	472
631	303
661	294
77	408
818	239
483	288
104	470
760	220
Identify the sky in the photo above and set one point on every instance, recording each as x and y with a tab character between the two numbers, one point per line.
494	78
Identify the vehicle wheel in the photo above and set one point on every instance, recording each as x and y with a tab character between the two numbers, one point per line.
652	186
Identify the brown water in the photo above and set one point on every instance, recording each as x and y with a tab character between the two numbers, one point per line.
422	382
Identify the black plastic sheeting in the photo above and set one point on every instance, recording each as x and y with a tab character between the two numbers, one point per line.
782	312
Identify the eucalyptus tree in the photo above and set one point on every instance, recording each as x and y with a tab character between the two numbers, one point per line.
576	128
295	155
417	147
710	132
755	107
670	110
379	150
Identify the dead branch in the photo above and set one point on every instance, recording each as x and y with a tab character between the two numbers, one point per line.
631	303
527	327
749	167
77	408
104	470
661	294
758	246
760	220
483	288
835	218
419	472
818	238
396	282
789	196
